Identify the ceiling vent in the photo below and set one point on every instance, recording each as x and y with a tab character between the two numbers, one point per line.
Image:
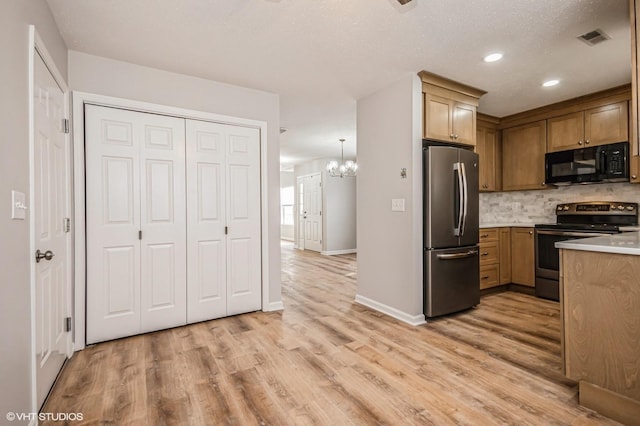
594	37
403	1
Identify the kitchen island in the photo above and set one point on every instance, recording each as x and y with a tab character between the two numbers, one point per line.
600	311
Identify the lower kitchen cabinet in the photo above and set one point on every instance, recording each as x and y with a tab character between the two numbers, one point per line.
492	255
505	255
522	257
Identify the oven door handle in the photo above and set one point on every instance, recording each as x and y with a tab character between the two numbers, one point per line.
571	234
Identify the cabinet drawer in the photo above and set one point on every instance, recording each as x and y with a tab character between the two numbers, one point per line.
489	276
489	253
488	234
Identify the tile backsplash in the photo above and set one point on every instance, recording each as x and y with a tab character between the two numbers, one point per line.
539	206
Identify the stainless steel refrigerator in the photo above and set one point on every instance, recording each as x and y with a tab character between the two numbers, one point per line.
451	216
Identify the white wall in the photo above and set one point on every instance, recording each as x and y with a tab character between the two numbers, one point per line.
104	76
338	207
15	255
287	180
390	243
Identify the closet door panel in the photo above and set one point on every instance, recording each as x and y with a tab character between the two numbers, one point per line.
163	225
206	197
113	221
243	219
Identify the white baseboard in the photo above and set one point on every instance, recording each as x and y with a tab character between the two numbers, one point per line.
334	252
274	306
392	312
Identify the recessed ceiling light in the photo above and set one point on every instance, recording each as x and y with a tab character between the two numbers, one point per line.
550	83
493	57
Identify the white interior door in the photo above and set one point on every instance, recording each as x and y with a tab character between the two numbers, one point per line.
301	216
313	212
206	241
51	207
135	216
223	187
163	291
244	272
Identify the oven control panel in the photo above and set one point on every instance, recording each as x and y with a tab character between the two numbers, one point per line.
598	208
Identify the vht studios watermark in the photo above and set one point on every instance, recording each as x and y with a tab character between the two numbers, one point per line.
52	417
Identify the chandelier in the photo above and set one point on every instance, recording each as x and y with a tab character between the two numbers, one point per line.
345	168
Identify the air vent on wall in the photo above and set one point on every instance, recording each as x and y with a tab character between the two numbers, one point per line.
594	37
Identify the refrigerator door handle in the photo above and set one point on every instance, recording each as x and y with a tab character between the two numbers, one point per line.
457	168
457	255
465	198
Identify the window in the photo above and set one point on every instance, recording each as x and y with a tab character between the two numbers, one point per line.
286	205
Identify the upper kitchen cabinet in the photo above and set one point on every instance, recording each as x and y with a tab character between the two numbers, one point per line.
523	149
450	110
595	126
635	91
489	153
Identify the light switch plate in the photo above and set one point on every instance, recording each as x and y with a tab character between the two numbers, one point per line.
397	205
18	205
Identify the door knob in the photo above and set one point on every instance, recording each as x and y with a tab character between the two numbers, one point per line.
47	255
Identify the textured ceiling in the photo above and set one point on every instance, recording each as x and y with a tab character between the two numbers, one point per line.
322	55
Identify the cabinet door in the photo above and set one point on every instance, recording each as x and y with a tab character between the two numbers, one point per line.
505	255
522	257
635	169
438	113
464	123
523	150
486	148
606	124
565	132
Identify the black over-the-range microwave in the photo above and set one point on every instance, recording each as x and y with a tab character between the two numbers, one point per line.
604	163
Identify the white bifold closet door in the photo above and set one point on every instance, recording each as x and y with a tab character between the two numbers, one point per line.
223	220
135	210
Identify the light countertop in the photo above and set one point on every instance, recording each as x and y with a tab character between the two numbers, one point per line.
624	243
629	228
507	225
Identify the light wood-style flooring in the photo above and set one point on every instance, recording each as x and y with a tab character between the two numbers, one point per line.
326	360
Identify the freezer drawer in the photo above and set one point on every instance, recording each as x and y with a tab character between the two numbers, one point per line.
451	280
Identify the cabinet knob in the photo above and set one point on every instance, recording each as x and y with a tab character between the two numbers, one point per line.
542	184
530	232
587	141
579	142
451	135
634	177
455	136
